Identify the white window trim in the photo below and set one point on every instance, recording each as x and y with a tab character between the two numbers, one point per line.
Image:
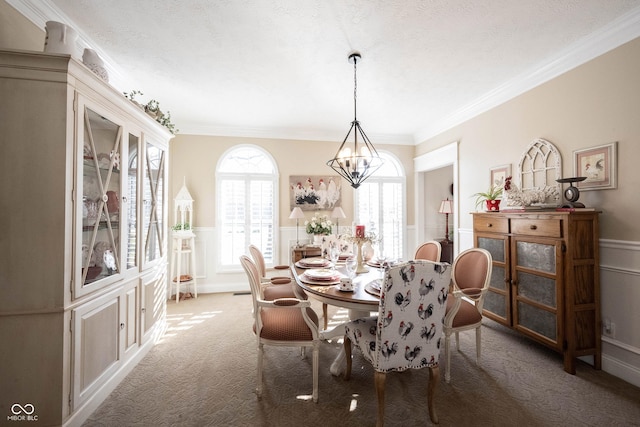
219	177
393	179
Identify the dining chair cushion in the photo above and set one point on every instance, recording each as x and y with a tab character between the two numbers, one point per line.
467	313
286	325
280	280
273	292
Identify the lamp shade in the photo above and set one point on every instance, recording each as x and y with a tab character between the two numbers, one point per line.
296	213
446	207
338	213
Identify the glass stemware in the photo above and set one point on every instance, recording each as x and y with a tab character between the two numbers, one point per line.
334	254
350	266
381	259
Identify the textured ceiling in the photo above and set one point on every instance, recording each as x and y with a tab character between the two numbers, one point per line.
278	68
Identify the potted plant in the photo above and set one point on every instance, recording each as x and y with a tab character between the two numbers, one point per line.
491	198
319	226
152	108
182	226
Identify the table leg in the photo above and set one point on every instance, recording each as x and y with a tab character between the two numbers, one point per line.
339	364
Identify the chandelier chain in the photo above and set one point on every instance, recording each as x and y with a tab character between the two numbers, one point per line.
355	89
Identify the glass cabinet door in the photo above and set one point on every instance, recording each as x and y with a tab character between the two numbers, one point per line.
153	203
101	187
131	253
537	294
497	302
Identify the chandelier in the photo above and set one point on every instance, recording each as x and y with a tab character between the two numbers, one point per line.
360	162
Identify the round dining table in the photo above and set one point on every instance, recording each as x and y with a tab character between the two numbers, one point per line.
360	302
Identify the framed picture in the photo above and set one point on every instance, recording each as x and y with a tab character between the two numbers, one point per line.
315	193
499	174
598	164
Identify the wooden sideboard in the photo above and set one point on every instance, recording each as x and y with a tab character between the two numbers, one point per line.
307	251
545	281
447	251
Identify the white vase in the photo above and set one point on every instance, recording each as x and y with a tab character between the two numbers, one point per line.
317	239
60	38
93	61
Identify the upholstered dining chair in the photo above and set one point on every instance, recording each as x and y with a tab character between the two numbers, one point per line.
288	322
273	287
430	251
258	259
470	278
407	332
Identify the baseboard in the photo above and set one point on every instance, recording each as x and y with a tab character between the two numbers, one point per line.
620	369
210	288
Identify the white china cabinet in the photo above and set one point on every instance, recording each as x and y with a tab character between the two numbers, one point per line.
83	261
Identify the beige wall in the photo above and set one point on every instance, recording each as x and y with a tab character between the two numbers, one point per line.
17	32
195	158
594	104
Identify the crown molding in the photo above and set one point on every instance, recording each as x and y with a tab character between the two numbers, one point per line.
611	36
41	11
290	134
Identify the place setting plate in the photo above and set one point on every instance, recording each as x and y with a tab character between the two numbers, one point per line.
313	263
373	287
323	276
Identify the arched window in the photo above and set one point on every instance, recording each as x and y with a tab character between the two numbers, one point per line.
380	205
247	201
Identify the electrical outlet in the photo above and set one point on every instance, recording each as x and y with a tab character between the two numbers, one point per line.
608	328
612	333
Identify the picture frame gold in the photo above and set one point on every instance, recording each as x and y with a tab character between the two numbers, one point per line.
499	174
598	164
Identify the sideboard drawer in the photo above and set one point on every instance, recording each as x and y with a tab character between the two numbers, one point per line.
536	227
491	225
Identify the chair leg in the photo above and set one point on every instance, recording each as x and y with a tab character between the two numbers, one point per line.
316	357
478	343
458	341
259	385
434	379
347	353
379	379
447	352
324	314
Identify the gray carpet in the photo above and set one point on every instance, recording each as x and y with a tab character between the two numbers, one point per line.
203	373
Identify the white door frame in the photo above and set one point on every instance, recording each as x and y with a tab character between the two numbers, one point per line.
436	159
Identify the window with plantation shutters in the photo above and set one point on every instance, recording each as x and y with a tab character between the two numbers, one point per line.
380	206
247	182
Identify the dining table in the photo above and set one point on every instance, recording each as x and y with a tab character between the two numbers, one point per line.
360	302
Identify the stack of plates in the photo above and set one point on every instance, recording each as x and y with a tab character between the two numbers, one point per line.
376	264
322	276
313	263
343	257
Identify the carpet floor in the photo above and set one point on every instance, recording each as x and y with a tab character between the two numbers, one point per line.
203	373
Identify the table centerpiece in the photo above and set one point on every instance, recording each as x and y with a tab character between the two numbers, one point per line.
360	237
